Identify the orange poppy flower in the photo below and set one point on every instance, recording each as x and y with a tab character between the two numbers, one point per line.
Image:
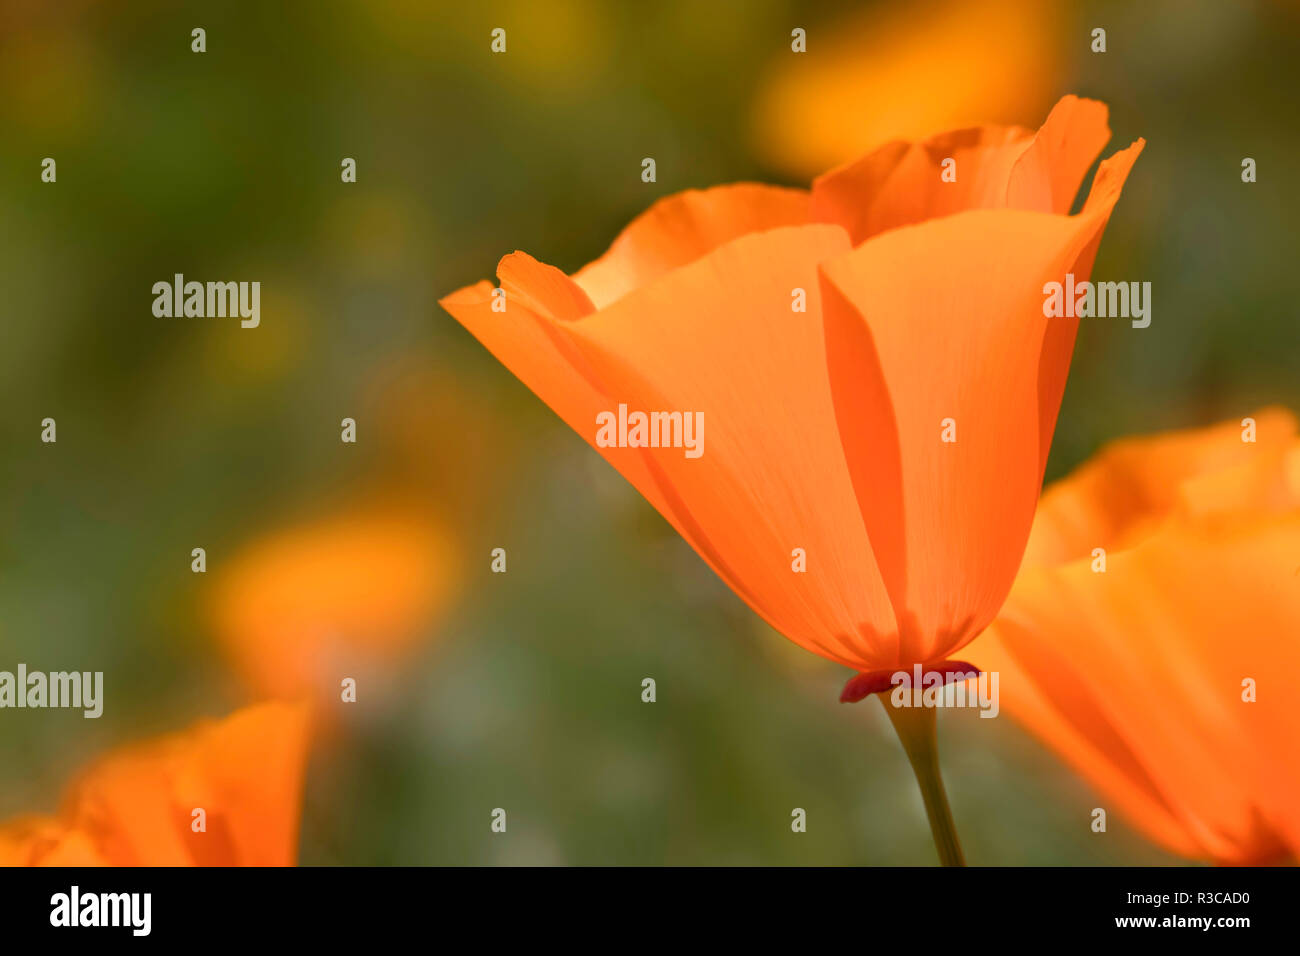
1150	637
907	70
302	609
923	301
140	806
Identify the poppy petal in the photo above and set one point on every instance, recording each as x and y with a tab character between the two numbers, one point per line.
527	339
995	167
1133	485
721	337
532	338
1047	175
681	228
245	772
1058	341
929	329
1136	677
253	764
45	841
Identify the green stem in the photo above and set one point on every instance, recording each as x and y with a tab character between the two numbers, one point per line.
915	727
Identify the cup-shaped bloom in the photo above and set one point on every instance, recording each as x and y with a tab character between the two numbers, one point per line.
223	793
826	343
1150	638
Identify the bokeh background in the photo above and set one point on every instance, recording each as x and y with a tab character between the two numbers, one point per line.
522	690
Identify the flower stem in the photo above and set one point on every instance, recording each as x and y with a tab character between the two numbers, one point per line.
915	727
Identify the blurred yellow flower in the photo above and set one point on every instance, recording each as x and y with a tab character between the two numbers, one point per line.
301	610
1152	632
224	793
905	72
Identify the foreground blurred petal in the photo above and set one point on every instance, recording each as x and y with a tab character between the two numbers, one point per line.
45	841
137	806
1135	676
1126	491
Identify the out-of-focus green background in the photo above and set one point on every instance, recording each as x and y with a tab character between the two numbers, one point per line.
178	433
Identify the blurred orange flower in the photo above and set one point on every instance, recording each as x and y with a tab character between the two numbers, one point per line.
1140	671
139	806
299	611
906	70
825	347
